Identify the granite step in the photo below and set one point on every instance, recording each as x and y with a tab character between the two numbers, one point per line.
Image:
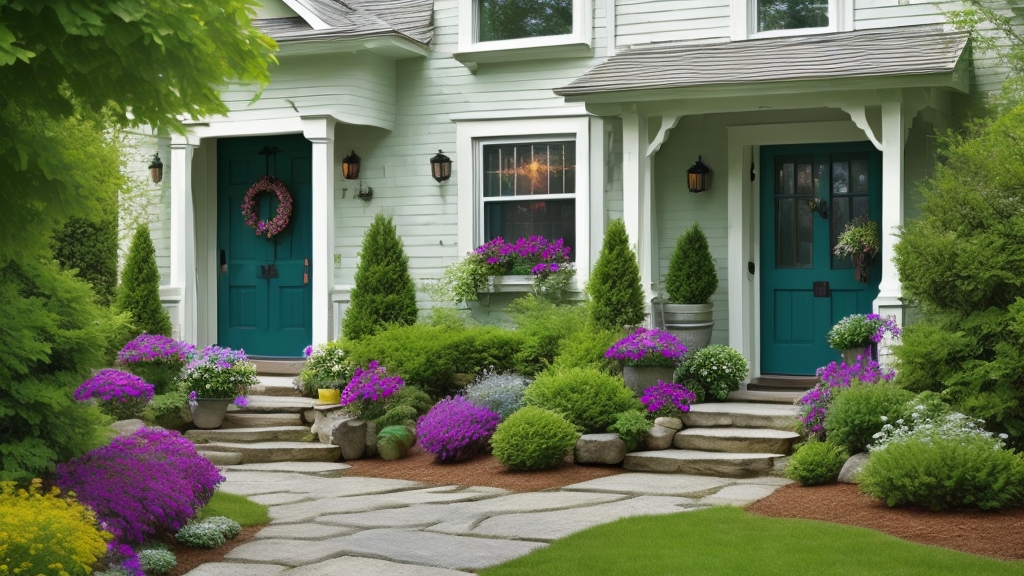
259	452
280	386
765	397
263	434
732	439
271	404
244	420
278	366
742	415
222	458
724	464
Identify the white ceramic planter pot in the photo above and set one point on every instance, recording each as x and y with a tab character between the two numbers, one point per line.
209	413
690	323
639	378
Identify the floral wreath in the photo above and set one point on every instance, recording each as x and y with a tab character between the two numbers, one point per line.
251	207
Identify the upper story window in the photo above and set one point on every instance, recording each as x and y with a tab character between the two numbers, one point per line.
792	14
514	19
514	30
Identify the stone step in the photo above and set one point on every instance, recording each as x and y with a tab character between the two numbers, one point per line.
265	404
725	464
222	458
742	415
780	383
278	451
279	366
730	439
764	397
244	420
280	386
265	434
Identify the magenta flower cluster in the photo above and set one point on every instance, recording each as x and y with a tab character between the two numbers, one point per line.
667	395
110	385
142	484
372	383
456	429
647	347
814	404
533	255
154	348
884	325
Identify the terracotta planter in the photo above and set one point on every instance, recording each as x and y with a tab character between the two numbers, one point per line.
690	323
329	395
209	413
639	378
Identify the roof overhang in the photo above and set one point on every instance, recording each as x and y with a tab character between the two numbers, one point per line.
396	47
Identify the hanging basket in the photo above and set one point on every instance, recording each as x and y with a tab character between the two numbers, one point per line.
251	207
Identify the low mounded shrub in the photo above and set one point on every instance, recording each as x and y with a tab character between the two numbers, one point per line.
712	372
543	326
119	394
208	533
157	562
168	410
228	527
456	429
587	397
47	533
815	403
533	439
856	413
502	393
586	349
631	426
155	358
816	463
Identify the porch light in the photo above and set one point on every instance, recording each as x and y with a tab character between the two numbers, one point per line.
156	169
350	166
441	167
698	177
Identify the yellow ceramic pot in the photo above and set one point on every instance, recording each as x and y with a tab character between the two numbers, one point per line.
329	395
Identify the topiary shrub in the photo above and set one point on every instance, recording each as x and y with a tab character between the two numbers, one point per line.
139	294
817	463
712	372
533	439
456	429
692	277
857	413
157	562
631	426
90	247
587	397
614	287
384	292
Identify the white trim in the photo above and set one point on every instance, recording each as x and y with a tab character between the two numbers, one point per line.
319	130
610	24
743	24
183	237
306	14
471	51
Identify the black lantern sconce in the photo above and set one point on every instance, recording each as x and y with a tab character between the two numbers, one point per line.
441	167
350	166
156	169
698	177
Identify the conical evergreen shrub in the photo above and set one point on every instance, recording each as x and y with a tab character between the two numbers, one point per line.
384	292
618	298
140	287
692	277
90	246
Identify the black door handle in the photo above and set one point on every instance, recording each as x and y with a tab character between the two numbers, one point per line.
223	262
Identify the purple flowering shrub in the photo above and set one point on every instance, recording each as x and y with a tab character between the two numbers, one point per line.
814	404
368	388
119	394
456	429
647	347
667	399
155	358
142	484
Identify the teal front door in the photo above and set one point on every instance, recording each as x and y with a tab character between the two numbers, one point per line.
808	194
265	303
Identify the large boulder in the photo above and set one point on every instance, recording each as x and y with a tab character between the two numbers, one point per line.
852	468
341	429
600	449
667	422
371	439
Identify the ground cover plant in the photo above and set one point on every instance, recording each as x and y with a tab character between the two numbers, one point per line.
368	389
502	393
587	397
732	542
384	292
238	508
667	399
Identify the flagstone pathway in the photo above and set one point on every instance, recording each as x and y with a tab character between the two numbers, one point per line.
325	523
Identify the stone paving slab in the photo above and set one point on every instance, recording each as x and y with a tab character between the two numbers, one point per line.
739	495
439	550
305	531
288	551
315	468
652	483
322	487
233	569
309	510
280	498
356	566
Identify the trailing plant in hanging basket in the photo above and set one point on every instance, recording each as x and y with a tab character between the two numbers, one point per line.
251	207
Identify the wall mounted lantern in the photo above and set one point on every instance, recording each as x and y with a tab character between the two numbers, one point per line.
350	166
156	169
698	177
441	167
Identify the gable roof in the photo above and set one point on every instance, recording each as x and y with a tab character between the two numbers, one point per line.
909	50
352	19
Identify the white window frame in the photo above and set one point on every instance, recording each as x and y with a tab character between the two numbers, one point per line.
471	51
744	21
472	135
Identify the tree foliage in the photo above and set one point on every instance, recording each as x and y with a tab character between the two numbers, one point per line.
384	292
618	298
140	287
692	277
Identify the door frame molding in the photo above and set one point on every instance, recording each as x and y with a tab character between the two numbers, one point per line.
744	228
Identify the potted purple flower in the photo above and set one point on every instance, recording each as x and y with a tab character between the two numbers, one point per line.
214	378
648	356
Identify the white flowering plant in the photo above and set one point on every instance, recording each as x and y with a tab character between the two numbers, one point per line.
712	372
926	427
326	367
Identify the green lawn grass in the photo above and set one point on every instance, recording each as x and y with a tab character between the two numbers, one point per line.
238	508
728	541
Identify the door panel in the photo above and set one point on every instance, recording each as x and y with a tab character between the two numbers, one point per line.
263	313
796	248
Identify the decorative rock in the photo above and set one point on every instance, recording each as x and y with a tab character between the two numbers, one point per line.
658	438
351	436
600	449
309	416
673	423
127	427
222	458
371	439
325	421
852	468
394	442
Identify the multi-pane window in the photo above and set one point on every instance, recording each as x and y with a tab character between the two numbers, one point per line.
529	189
848	197
791	14
514	19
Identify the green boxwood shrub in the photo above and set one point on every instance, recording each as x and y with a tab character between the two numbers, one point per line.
533	439
384	292
817	463
139	294
543	326
692	277
587	397
632	427
586	349
856	413
614	287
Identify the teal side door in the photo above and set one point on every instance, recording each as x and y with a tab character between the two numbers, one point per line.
264	290
796	248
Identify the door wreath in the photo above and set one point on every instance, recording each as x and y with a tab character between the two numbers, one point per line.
251	207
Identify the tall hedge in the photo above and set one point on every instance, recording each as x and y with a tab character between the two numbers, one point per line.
618	298
90	246
140	287
692	277
384	292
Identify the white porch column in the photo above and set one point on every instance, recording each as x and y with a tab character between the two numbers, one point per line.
636	194
183	236
894	137
320	131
